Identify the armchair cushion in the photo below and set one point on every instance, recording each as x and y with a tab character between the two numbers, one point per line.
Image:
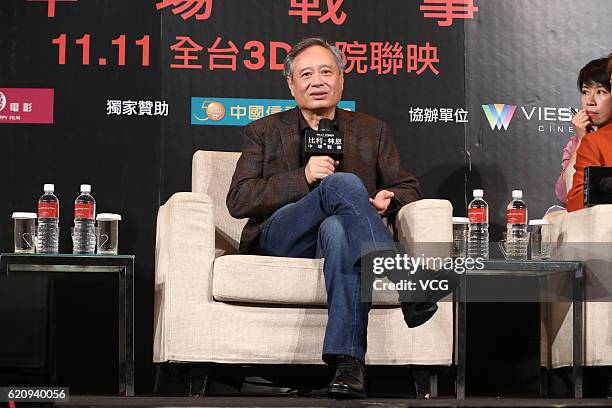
276	280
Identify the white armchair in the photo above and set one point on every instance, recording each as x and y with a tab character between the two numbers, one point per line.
584	235
213	305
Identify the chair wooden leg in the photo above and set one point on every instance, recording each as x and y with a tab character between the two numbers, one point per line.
156	381
433	383
543	380
609	390
425	382
198	380
165	374
186	377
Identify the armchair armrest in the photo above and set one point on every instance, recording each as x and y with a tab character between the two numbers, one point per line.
184	256
427	220
586	225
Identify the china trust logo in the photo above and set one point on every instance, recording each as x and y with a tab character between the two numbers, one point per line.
217	111
213	110
499	115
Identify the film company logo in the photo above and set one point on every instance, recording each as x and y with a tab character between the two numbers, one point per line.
26	105
549	119
499	115
2	101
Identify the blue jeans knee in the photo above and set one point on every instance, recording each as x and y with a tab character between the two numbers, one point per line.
345	183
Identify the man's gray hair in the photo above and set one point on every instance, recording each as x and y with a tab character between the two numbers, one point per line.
307	43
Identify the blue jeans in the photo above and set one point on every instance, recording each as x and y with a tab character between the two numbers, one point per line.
336	221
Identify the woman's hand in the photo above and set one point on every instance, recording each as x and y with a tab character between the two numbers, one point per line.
582	123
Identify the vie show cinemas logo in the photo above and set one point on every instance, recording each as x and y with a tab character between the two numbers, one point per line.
26	105
500	115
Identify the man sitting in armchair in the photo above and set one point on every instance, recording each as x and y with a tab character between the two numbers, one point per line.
316	206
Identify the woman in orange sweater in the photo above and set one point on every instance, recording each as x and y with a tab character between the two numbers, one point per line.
596	147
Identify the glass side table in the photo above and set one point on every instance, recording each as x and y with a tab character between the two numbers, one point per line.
123	265
523	281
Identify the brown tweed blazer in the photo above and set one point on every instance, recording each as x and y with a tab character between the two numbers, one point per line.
268	174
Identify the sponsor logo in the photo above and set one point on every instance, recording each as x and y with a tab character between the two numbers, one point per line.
499	115
26	105
215	111
548	118
241	111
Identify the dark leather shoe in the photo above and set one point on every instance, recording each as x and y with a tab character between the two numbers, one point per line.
418	313
349	381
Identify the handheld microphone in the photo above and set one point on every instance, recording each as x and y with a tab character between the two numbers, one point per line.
324	141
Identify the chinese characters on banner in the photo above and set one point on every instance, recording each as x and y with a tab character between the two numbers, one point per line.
201	9
361	58
312	8
381	58
136	108
51	5
184	47
15	107
388	58
222	58
434	115
445	11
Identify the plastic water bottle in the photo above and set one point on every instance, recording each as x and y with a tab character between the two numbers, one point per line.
47	239
84	238
478	234
516	227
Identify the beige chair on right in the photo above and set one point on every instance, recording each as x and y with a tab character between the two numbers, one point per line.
584	235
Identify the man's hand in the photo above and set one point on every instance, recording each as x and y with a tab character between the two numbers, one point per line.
582	123
382	200
319	167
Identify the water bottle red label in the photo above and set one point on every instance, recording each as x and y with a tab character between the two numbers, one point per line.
478	215
84	211
517	216
48	210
